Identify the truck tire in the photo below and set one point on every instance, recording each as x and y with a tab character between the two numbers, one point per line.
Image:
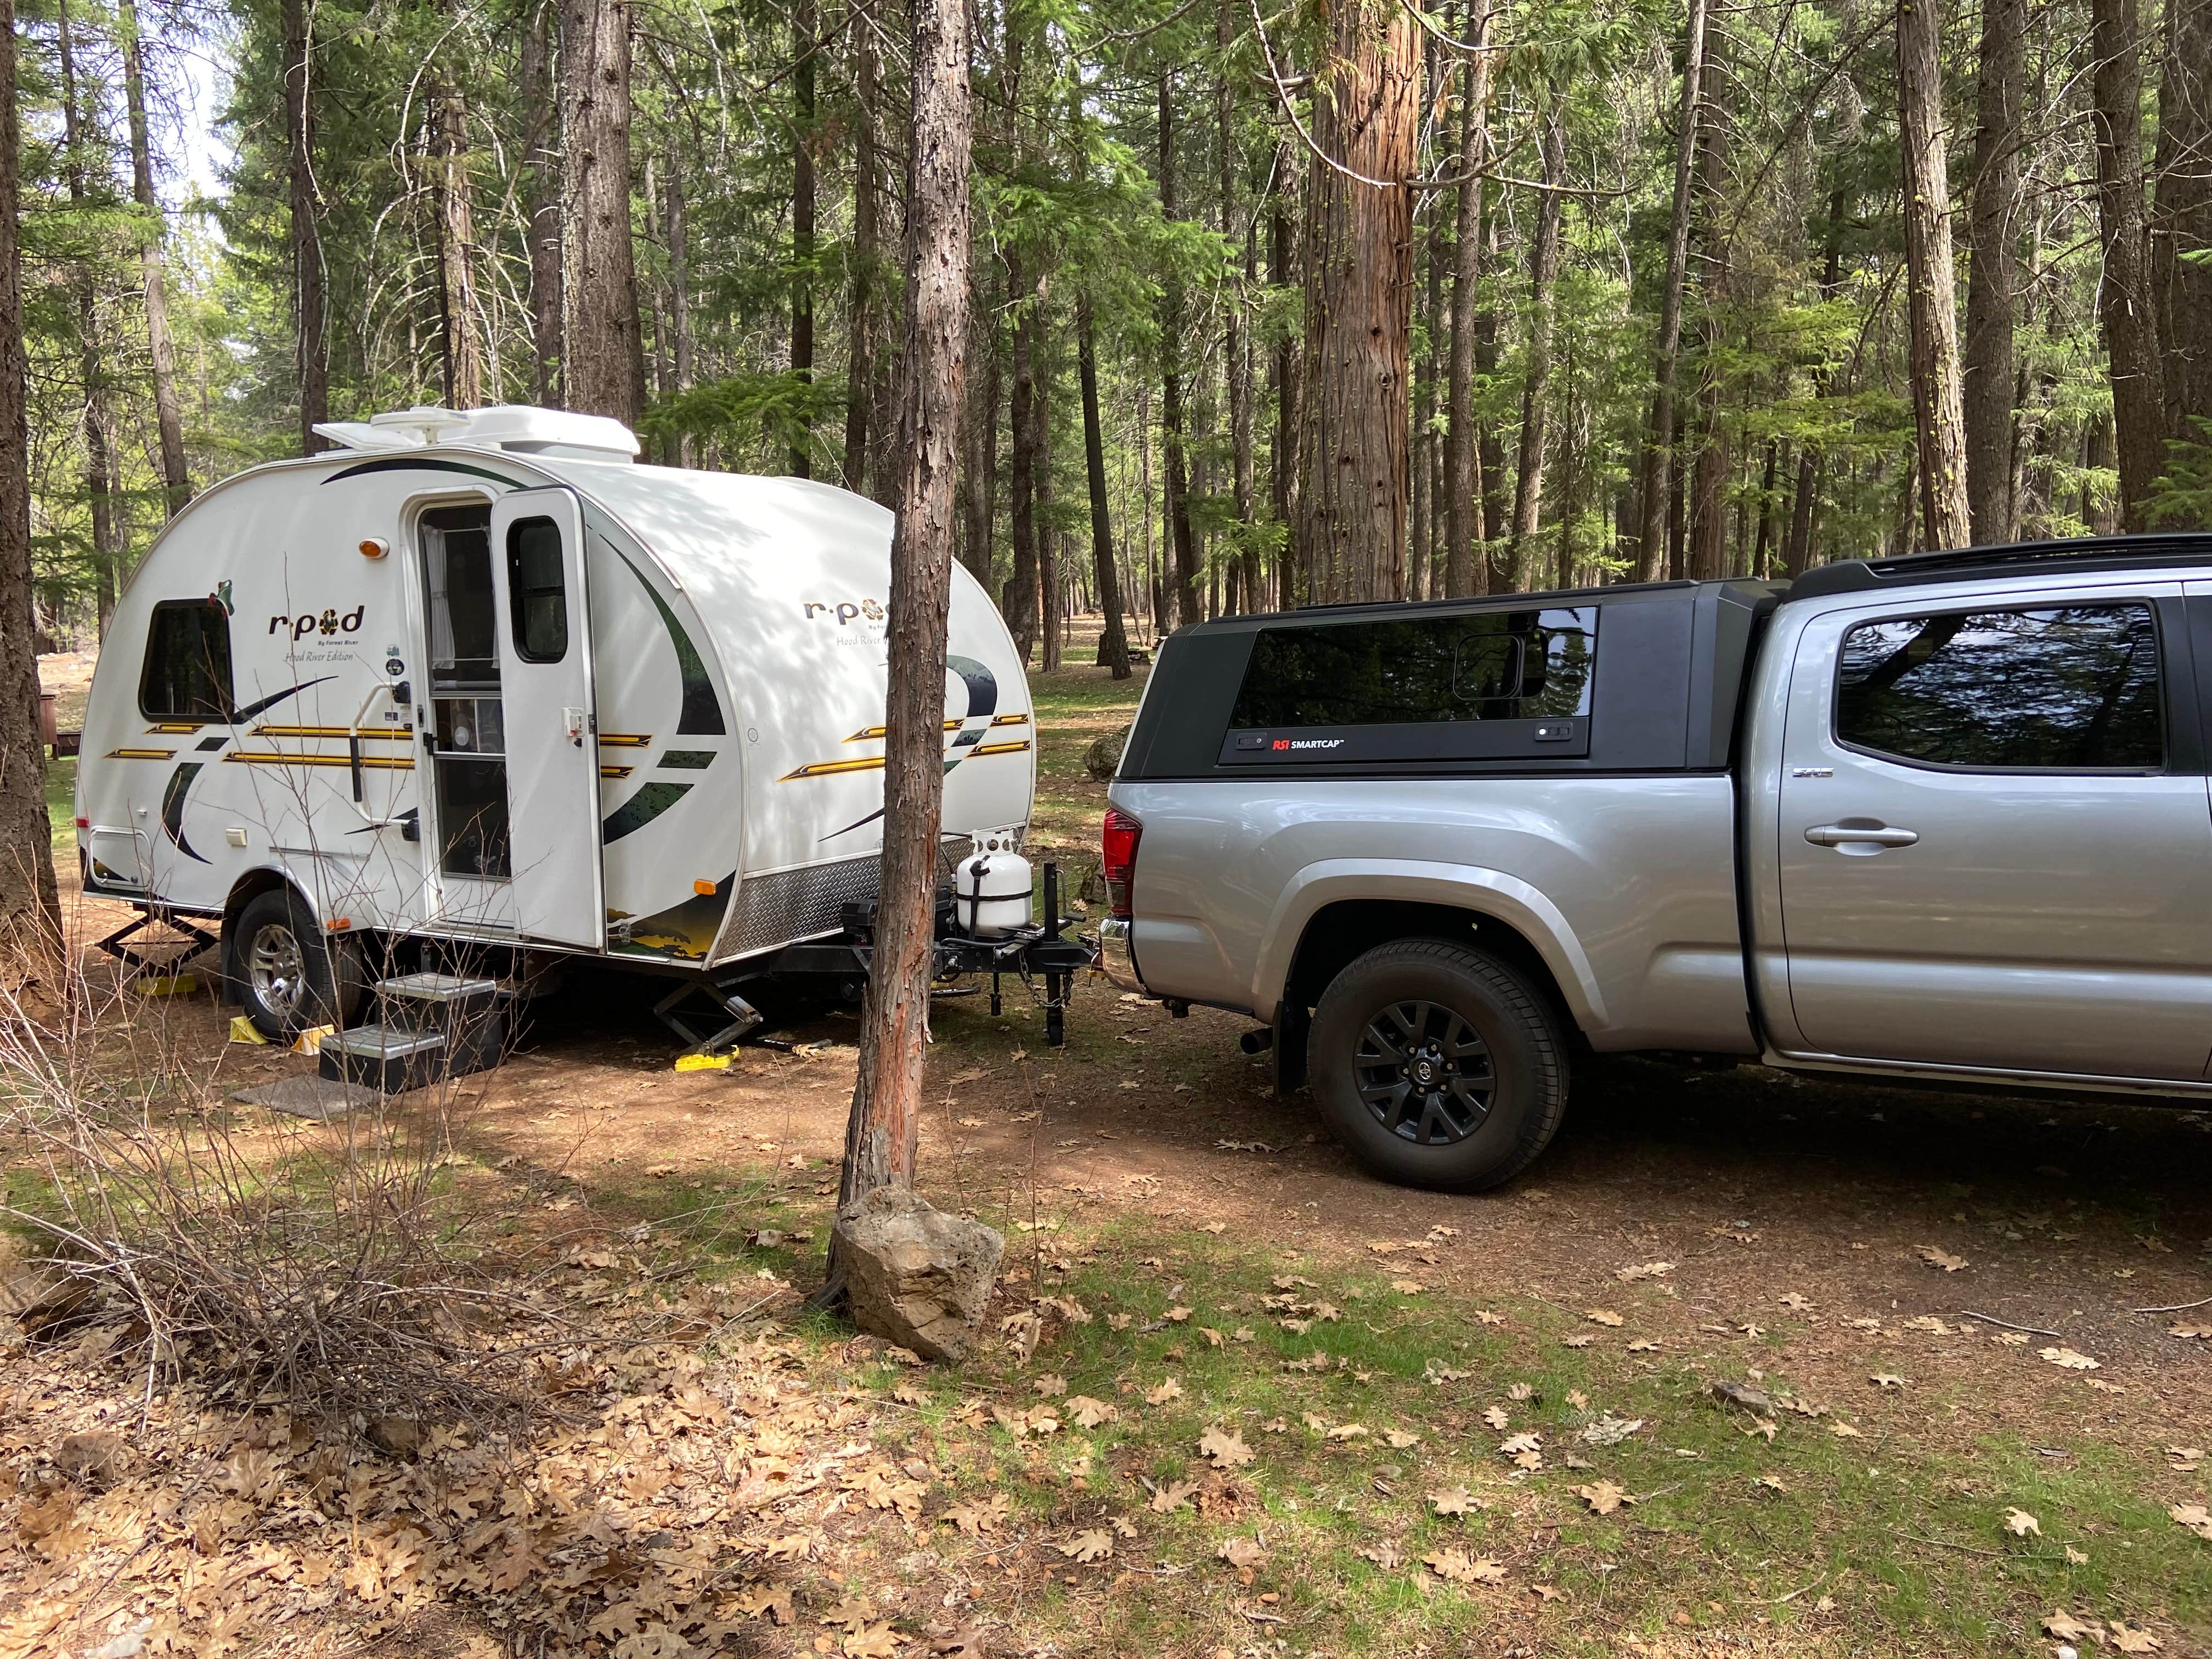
289	974
1437	1067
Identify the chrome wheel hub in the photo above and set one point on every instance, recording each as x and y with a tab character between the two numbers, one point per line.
277	971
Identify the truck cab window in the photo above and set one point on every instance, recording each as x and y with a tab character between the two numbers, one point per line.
2071	688
187	671
537	590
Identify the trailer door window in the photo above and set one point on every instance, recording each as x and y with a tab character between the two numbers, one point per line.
537	591
467	735
187	671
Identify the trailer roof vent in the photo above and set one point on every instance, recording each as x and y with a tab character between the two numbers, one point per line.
515	427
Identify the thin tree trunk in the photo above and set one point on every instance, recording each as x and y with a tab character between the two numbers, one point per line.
1237	364
979	473
1490	529
677	233
1113	642
1657	464
1283	376
2124	298
883	1139
802	221
2182	222
1188	606
859	311
1708	548
101	483
153	231
541	205
1019	603
1932	304
309	310
1464	573
1798	555
1048	589
457	292
1535	389
30	908
604	370
1353	440
1992	258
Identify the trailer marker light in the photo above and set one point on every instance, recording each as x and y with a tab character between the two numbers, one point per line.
340	924
375	547
703	888
84	823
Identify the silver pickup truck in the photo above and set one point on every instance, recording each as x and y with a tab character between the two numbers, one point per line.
1942	817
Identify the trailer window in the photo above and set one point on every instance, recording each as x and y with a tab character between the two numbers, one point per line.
187	671
2069	689
1491	666
537	590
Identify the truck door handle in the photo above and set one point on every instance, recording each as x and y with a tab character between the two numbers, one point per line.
1863	832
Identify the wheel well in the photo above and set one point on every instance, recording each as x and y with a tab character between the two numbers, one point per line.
1340	932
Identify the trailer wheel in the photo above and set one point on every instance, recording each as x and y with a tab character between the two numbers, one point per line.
292	975
1437	1067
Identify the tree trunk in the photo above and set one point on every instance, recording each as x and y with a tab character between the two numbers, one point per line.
1189	606
802	219
1535	388
153	232
978	471
1283	376
1352	442
2184	220
1708	548
1113	642
101	484
457	289
30	909
1992	258
860	311
309	309
1932	303
1019	603
542	204
2124	298
1049	591
882	1140
604	367
1237	366
1654	474
1797	553
677	233
1466	573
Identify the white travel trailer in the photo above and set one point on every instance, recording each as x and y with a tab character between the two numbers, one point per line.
482	678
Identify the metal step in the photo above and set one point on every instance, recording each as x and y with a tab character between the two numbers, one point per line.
389	1059
440	989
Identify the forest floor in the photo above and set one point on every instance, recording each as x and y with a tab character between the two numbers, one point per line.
1236	1399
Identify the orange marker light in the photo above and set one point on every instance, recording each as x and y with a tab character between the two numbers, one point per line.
375	547
703	888
339	924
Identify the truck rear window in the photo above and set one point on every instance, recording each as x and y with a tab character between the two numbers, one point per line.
1497	665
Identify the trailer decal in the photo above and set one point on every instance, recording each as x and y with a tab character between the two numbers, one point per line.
686	760
240	716
983	706
686	931
640	809
400	463
142	754
702	709
172	808
278	757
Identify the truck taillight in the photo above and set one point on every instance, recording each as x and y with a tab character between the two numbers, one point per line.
1117	849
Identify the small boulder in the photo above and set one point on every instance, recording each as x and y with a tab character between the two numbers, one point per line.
1104	758
916	1275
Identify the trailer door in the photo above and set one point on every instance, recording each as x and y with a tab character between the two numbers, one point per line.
552	727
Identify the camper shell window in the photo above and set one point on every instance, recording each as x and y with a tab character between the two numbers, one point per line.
187	671
537	590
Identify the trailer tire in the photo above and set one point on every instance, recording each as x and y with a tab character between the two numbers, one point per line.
1437	1067
290	976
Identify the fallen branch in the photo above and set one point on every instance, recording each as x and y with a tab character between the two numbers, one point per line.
2031	1330
2178	1307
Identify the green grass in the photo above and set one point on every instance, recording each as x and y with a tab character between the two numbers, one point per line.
1892	1541
61	804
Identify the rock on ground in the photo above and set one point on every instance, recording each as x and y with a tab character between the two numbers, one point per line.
1103	757
916	1275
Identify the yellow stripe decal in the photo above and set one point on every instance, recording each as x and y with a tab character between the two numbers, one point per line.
379	734
874	763
174	728
617	771
142	754
369	762
1012	720
625	739
1002	748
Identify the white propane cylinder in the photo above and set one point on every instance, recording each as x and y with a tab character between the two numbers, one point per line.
991	889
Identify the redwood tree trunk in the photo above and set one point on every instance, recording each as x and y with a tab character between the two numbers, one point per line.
1535	386
861	308
1654	474
1465	574
1354	432
457	304
881	1142
604	370
1190	604
176	475
1992	258
802	222
541	205
1283	375
1707	529
100	480
30	910
2124	298
1932	305
2184	221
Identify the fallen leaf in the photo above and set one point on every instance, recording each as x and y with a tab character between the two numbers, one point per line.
878	1641
1173	1496
1166	1391
1226	1448
2196	1517
2127	1640
1400	1439
1094	1545
1348	1431
1584	1341
1601	1317
1455	1500
1407	1286
2021	1524
1887	1380
1496	1417
1795	1302
1457	1567
1610	1431
1603	1497
1088	1413
1241	1552
1051	1385
1936	1257
1646	1270
2067	1628
2068	1359
1845	1431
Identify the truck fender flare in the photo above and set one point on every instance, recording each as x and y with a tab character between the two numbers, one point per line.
1469	887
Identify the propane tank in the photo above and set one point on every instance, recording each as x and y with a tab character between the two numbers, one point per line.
991	889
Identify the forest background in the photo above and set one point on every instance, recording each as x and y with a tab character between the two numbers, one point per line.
1271	304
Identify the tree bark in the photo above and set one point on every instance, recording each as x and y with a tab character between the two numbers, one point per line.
1353	440
1932	304
2124	298
1049	591
1466	573
676	230
1283	376
153	232
1992	259
2182	222
30	908
861	308
541	205
1708	535
882	1139
1018	604
1236	366
101	483
1535	386
604	370
802	219
1113	642
1189	606
1797	552
1654	473
979	471
457	289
